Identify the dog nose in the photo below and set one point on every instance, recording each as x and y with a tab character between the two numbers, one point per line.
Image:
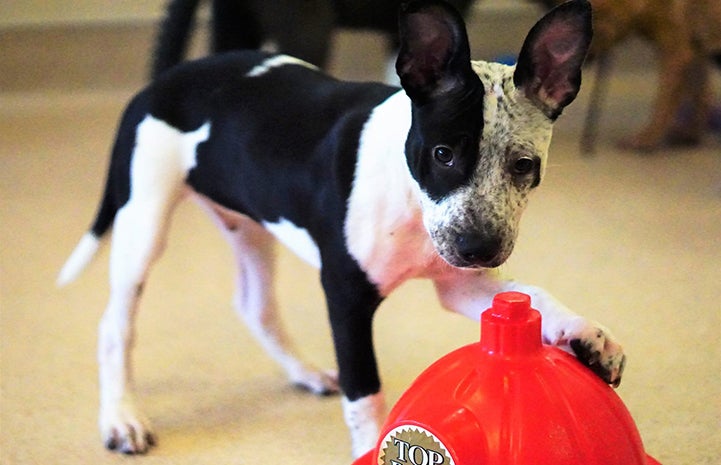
477	249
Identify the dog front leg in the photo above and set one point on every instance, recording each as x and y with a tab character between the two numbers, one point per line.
363	401
471	292
352	302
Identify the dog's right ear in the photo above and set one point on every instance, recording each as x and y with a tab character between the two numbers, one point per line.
434	57
549	65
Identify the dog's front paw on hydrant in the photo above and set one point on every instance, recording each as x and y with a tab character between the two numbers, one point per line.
596	348
593	345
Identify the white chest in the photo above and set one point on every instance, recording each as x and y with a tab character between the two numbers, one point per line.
384	227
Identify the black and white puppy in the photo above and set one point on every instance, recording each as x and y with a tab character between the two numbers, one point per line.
372	184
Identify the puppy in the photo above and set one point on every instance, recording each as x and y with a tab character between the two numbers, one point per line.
372	184
687	36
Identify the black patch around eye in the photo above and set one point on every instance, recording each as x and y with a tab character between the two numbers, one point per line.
442	148
443	167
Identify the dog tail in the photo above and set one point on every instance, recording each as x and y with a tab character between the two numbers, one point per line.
172	40
115	195
79	259
89	244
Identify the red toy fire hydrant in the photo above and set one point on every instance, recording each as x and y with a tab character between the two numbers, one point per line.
509	400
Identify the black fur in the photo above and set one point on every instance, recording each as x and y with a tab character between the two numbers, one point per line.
294	126
117	185
447	96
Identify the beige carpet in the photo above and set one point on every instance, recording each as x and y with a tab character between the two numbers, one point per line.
633	241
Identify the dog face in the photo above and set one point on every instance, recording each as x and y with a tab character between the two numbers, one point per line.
473	219
480	131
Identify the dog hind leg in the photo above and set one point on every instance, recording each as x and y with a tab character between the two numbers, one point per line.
255	303
139	232
137	241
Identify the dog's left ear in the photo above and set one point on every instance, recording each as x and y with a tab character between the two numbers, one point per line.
549	65
434	57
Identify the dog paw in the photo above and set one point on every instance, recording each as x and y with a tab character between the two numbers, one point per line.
364	418
318	382
124	430
595	347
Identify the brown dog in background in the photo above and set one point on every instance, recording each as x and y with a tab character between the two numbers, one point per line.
686	34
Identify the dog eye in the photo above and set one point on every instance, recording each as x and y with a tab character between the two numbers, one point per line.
524	166
443	155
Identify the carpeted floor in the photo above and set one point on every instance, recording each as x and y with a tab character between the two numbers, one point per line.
633	241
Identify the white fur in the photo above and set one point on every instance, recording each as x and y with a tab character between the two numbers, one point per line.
254	298
276	62
158	138
470	292
363	418
79	259
160	161
525	124
189	142
296	239
498	90
384	229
